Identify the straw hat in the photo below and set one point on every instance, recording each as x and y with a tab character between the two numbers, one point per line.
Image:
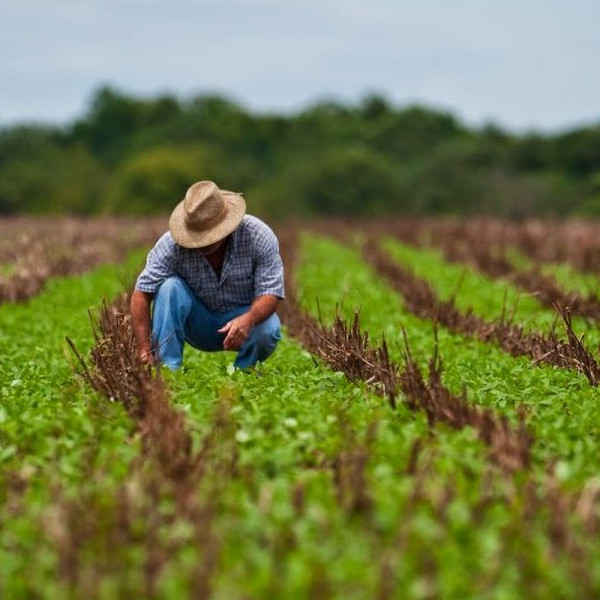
206	215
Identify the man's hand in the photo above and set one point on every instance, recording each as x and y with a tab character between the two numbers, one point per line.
237	331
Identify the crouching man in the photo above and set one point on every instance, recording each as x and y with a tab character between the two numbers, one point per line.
213	280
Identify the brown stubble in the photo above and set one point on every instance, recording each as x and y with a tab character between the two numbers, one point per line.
349	467
569	515
34	249
483	244
346	348
541	348
171	468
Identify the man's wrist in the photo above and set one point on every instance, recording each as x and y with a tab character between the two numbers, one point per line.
251	319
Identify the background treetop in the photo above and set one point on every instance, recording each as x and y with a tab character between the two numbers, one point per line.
130	155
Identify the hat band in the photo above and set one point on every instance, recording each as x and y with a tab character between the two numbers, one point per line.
206	223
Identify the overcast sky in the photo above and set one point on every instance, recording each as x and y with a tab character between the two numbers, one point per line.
520	63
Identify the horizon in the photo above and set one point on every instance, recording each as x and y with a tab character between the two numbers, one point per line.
292	112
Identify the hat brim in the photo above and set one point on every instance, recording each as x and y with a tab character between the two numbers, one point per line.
189	238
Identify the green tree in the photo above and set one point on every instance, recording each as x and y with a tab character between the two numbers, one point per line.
152	182
39	173
340	181
578	152
114	119
411	133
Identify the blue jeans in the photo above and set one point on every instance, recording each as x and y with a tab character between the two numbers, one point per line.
178	317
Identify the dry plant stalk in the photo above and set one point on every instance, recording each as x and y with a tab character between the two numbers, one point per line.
571	518
347	349
420	299
576	242
575	352
117	372
482	243
349	471
510	446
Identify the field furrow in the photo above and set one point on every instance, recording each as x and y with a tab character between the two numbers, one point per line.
347	349
542	346
346	466
474	248
493	297
337	275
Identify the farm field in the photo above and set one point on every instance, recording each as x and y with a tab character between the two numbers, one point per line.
428	428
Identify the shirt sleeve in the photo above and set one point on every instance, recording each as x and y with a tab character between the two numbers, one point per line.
268	273
160	265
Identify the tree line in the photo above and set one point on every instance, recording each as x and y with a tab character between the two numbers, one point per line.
137	156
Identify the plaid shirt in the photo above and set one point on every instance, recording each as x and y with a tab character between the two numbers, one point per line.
252	268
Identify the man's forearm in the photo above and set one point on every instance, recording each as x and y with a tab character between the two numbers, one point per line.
140	321
262	308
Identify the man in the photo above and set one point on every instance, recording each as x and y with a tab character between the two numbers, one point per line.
215	278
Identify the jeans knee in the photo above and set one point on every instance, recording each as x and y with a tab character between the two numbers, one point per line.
174	291
171	286
173	298
268	334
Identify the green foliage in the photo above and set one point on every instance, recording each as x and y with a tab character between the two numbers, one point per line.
578	150
81	514
330	158
152	182
114	118
349	180
485	296
39	174
410	133
473	176
334	275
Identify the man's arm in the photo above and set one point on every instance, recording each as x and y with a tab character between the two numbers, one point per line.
141	324
237	329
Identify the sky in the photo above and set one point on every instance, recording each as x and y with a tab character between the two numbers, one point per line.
521	64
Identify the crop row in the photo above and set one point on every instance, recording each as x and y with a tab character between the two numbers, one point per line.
516	339
347	349
347	353
574	242
494	248
493	378
290	481
490	308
